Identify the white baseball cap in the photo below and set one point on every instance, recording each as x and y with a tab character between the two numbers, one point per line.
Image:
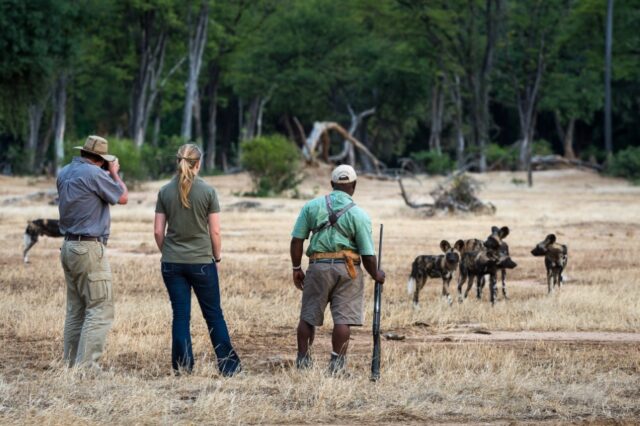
343	174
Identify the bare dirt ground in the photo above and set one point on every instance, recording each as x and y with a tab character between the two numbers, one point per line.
573	356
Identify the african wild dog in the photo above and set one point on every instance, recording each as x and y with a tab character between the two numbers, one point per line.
480	261
36	228
433	266
555	259
497	238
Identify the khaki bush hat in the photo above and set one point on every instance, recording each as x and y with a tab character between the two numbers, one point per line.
98	146
343	174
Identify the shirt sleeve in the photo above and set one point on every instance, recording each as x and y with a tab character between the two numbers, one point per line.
302	229
107	188
160	205
363	237
214	205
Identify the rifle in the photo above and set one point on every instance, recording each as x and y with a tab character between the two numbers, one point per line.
377	299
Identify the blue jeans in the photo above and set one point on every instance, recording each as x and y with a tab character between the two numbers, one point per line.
179	278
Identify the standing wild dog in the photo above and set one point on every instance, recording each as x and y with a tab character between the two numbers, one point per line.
555	259
497	239
36	228
433	266
481	261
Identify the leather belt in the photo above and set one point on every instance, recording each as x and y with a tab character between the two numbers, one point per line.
74	237
331	261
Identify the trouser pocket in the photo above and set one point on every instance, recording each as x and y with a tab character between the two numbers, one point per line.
98	285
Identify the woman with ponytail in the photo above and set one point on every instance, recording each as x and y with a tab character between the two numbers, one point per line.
187	231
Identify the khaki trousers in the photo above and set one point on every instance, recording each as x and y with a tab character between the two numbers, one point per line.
89	301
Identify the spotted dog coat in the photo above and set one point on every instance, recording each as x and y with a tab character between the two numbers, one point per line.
555	260
36	228
483	259
497	238
433	266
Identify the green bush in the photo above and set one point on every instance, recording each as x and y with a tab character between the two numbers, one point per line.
507	157
502	158
273	163
626	164
133	166
433	162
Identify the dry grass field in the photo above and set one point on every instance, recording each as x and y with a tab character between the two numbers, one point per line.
573	356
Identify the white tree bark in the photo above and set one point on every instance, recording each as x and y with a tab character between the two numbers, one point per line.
348	150
60	111
319	128
146	85
197	42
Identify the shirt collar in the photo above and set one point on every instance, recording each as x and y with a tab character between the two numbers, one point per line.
82	160
338	193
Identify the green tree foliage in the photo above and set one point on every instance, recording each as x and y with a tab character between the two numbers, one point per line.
451	76
626	164
273	163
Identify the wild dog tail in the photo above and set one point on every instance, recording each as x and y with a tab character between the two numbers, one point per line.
411	285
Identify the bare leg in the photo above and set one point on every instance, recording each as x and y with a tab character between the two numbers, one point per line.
306	334
340	338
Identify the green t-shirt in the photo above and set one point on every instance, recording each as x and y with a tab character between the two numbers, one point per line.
354	224
187	239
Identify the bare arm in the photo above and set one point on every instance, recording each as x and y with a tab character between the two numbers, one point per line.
214	233
159	226
295	251
370	263
114	168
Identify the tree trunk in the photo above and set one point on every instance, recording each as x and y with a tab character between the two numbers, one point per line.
43	147
437	105
35	112
458	112
151	47
348	151
566	136
197	118
156	130
60	111
248	131
197	42
212	125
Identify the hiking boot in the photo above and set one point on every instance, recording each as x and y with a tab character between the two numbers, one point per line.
337	366
304	362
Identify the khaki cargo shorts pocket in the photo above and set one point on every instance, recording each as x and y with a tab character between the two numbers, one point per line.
99	285
79	249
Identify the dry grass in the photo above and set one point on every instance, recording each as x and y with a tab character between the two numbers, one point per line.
424	377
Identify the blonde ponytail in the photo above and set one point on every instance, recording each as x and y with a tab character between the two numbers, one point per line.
188	157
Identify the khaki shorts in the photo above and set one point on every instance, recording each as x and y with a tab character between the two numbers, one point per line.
329	283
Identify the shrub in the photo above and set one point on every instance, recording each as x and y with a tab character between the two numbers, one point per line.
502	158
133	165
273	163
626	164
433	162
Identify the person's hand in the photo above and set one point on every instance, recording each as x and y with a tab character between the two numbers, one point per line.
380	276
114	167
298	278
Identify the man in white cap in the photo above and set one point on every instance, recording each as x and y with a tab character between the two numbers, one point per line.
86	188
340	240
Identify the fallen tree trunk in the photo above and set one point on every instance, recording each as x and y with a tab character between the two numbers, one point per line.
541	161
316	137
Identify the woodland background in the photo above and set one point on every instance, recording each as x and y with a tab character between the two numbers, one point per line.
475	84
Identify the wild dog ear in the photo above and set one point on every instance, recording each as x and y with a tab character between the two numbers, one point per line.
445	246
459	245
495	230
551	238
503	232
491	244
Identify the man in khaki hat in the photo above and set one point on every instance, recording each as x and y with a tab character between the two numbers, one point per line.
86	188
340	240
